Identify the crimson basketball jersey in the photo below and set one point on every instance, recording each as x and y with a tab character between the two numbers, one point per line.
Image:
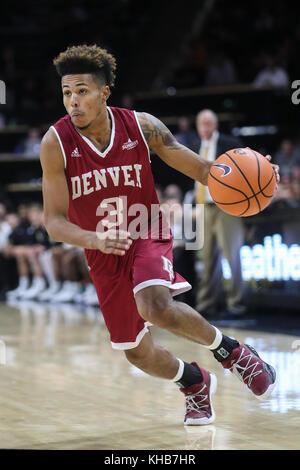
109	185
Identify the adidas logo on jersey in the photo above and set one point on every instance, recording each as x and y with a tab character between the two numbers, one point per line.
75	153
129	144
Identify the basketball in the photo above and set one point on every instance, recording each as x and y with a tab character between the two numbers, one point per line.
242	182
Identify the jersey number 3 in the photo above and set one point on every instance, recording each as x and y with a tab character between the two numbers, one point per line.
114	206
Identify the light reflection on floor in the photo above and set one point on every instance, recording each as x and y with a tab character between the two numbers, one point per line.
64	351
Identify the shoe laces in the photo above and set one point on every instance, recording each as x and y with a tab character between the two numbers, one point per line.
249	368
196	401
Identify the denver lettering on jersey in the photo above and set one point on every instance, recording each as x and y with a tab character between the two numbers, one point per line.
95	180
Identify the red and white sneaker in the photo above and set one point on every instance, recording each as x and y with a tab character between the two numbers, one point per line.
245	363
199	409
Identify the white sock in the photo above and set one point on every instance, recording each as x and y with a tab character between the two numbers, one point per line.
38	281
217	341
180	371
24	282
54	285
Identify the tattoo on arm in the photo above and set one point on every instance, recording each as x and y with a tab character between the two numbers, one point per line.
164	144
156	133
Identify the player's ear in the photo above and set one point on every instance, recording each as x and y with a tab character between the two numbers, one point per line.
105	93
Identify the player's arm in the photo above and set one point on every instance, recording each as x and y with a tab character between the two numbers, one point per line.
56	204
163	143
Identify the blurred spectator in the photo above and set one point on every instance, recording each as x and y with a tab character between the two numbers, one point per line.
88	294
183	260
186	135
2	217
284	191
159	192
39	259
68	266
296	174
26	243
10	276
13	220
220	70
5	231
31	145
287	157
272	75
53	268
173	191
222	232
20	235
289	187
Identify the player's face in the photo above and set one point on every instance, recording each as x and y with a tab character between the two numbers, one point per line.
84	98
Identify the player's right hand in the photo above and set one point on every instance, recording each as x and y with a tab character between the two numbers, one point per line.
114	242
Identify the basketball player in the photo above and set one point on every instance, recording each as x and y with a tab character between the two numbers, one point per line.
93	158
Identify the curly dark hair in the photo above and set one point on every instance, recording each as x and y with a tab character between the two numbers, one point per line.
87	59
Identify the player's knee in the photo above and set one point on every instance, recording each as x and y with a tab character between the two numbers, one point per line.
135	356
155	309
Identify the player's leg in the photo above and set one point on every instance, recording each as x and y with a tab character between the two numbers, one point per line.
156	305
197	384
129	332
153	359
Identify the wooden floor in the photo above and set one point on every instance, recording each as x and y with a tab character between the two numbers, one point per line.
63	387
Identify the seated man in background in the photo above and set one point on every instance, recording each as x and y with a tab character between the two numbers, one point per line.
26	243
287	157
30	147
17	241
5	231
71	281
288	191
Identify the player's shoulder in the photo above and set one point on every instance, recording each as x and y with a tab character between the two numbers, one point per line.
148	121
144	119
142	116
50	151
49	139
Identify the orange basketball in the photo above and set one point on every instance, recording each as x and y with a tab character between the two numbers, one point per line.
242	182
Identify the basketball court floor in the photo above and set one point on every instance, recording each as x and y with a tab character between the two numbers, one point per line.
62	386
